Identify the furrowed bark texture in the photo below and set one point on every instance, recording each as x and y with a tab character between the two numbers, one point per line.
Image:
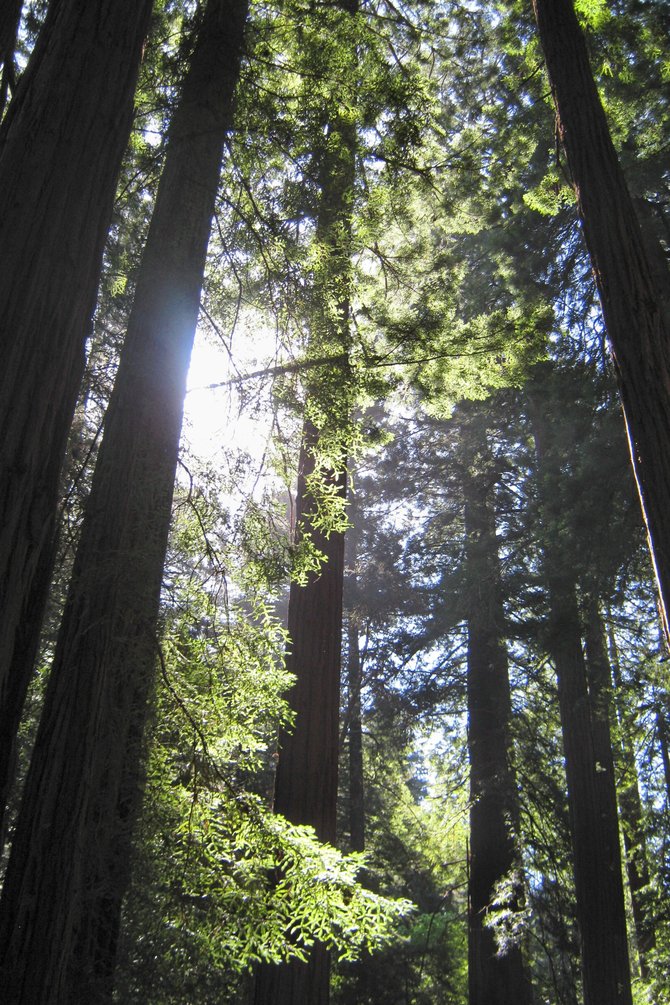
492	979
62	143
306	784
601	912
631	274
69	865
307	765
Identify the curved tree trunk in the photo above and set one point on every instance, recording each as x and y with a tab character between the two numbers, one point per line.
62	143
69	865
630	271
493	978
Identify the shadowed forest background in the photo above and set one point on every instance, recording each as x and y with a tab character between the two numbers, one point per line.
334	502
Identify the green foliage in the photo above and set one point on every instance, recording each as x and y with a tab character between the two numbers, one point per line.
220	879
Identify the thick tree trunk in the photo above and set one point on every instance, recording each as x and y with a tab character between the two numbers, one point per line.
69	865
601	914
634	286
493	978
307	765
306	782
62	143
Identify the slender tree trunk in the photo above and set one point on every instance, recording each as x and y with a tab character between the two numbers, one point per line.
634	284
356	778
62	143
10	18
601	913
662	736
69	865
630	808
493	978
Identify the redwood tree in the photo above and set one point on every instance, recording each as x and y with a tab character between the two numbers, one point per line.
69	864
307	765
601	910
61	146
494	977
630	270
10	16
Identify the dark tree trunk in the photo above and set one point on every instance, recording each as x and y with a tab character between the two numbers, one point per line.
307	765
634	285
69	865
356	778
10	18
601	914
662	736
630	808
493	978
63	139
306	782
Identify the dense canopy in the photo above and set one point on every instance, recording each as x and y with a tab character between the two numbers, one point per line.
334	523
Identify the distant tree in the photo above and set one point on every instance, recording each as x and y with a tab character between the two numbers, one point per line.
601	677
496	974
601	912
73	837
61	144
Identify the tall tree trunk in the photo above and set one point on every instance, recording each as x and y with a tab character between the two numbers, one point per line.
662	736
356	782
62	143
630	802
633	282
10	18
493	978
601	914
307	765
69	865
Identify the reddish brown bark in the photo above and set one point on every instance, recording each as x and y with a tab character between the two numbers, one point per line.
69	864
633	282
307	765
306	782
62	143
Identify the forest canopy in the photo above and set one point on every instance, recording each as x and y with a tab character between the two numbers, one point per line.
334	525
